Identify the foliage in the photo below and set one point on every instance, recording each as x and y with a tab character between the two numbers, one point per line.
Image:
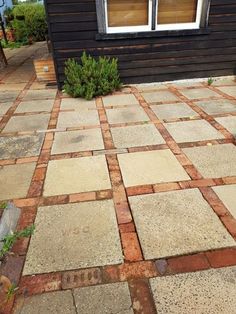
91	77
10	239
11	291
12	44
210	81
3	205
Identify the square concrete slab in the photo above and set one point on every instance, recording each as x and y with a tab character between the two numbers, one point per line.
230	90
176	223
150	167
27	123
192	131
119	100
227	195
137	135
213	161
109	298
208	291
224	81
15	180
77	118
20	146
173	111
60	302
7	96
40	94
125	115
217	106
159	96
196	93
77	104
75	141
4	107
81	235
76	175
229	123
35	106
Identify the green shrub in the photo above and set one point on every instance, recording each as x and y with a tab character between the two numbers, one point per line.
91	77
29	22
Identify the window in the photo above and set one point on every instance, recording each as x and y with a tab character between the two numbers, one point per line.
126	16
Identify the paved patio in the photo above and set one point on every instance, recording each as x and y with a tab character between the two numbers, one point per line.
132	196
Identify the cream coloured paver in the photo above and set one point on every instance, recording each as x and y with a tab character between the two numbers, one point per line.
35	106
27	123
150	167
196	93
217	106
213	161
76	175
4	107
15	180
7	96
227	194
20	146
75	141
223	81
176	223
77	104
137	135
109	299
192	131
172	111
81	235
12	87
119	100
40	94
125	115
230	90
77	118
159	96
229	123
60	302
210	291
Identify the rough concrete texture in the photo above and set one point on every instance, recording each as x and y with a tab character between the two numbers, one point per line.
76	175
20	146
173	111
124	115
230	90
217	106
196	93
229	123
192	131
117	100
227	194
7	96
159	96
77	104
150	167
35	106
77	118
40	94
4	107
137	135
210	292
214	161
75	141
15	180
176	223
81	235
104	299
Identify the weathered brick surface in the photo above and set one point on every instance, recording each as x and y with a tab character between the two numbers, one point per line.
221	258
81	278
131	247
188	263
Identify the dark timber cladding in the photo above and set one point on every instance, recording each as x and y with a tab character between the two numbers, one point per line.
73	29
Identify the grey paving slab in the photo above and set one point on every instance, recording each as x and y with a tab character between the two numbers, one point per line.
60	302
137	135
76	175
196	93
217	106
192	131
12	87
15	180
104	299
172	111
176	223
81	235
117	100
150	167
75	141
159	96
77	118
147	87
27	123
210	292
77	104
35	106
40	94
224	81
20	146
4	107
6	96
214	161
125	115
227	194
230	90
229	123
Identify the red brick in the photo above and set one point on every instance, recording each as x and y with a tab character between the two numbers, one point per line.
81	278
222	258
128	227
12	267
82	197
202	182
143	269
26	202
188	263
7	162
36	189
47	144
116	178
26	160
81	154
106	194
164	187
192	172
137	190
131	247
123	212
229	180
39	174
110	274
49	137
183	160
60	199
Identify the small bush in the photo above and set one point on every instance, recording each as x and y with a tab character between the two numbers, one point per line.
91	77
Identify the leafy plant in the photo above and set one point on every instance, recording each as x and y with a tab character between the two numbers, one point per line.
12	44
11	291
3	205
91	77
210	81
10	239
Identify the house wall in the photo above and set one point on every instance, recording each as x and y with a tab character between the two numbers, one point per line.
73	29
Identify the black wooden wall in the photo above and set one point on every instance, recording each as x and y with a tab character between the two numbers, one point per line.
73	28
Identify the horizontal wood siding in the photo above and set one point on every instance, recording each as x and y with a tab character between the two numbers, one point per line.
73	29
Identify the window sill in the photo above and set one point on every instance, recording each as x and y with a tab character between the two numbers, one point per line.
151	34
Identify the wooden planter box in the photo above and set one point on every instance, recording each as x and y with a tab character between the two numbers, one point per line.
44	68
